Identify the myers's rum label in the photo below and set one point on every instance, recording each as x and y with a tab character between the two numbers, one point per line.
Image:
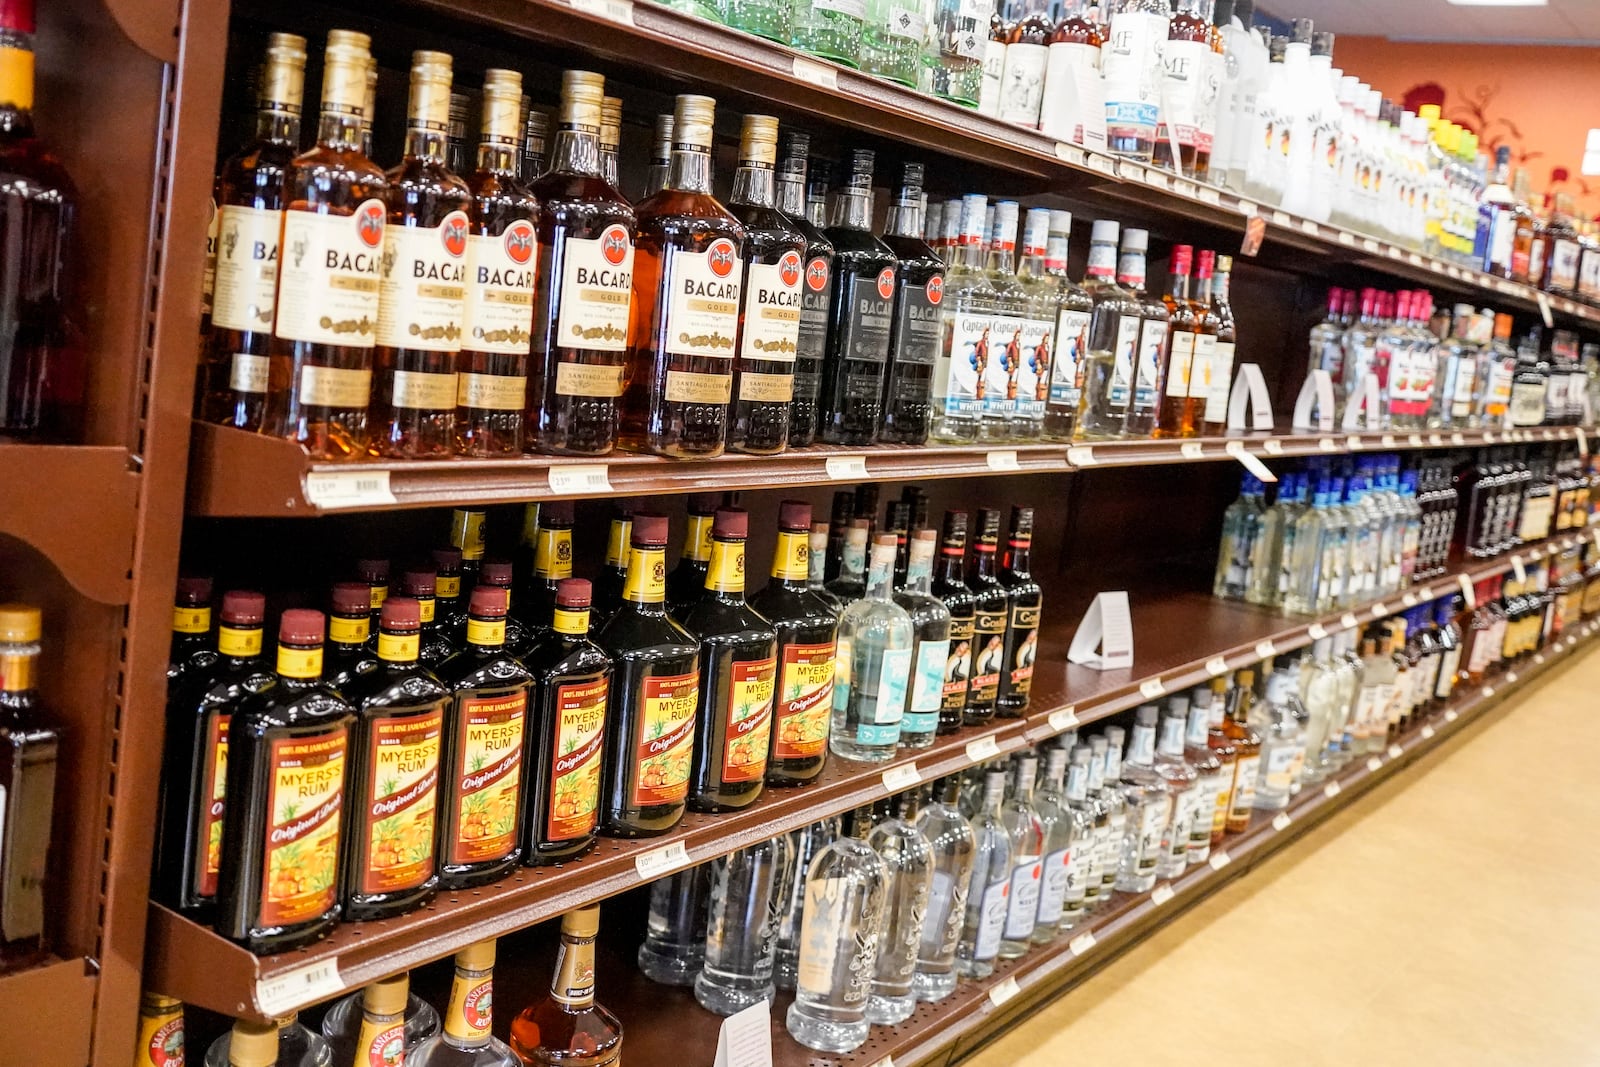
666	739
489	748
404	791
575	762
216	784
305	802
328	287
804	701
749	719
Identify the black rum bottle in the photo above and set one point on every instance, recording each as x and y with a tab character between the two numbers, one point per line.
349	634
738	669
484	765
654	690
918	318
950	586
991	609
422	585
1024	600
608	584
552	563
860	315
572	682
811	346
27	779
279	881
389	861
193	647
688	578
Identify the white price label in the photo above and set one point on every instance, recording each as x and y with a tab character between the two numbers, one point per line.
1354	443
1280	218
899	779
1426	732
1583	441
1316	631
1080	456
1435	439
664	860
887	1061
1518	569
1538	659
1216	665
1310	226
1247	208
1103	164
614	10
1152	689
1369	245
1063	719
580	478
1379	610
1409	600
1157	179
999	994
1451	715
1458	439
1488	437
821	75
1468	595
846	468
1219	859
290	991
1511	677
1004	459
1332	789
1414	440
1208	195
1347	238
1487	691
1544	310
1272	446
1069	153
1328	444
1192	450
983	748
1265	649
1388	440
1281	821
331	490
1082	943
1395	752
1348	621
1161	894
1375	764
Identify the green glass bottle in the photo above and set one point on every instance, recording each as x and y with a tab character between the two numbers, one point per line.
831	29
764	18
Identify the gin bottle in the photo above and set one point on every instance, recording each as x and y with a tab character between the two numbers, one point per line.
1108	366
1149	800
748	891
675	932
953	850
960	29
989	889
831	29
908	867
1026	830
843	916
378	1014
895	39
466	1040
804	844
962	365
1184	783
931	621
873	667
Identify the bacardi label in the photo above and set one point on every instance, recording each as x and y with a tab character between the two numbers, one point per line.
1033	368
772	301
246	284
403	794
1005	361
423	286
497	314
492	392
299	878
596	291
1066	366
702	312
666	738
335	387
962	377
805	690
489	745
328	276
748	716
574	800
919	325
869	322
423	391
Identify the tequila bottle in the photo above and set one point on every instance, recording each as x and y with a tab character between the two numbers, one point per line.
959	599
748	889
1210	774
1150	801
1150	368
1026	830
804	844
381	1015
840	930
811	344
850	583
674	944
918	317
1193	331
953	850
873	668
908	872
1043	294
1108	366
860	315
1068	839
931	619
568	1027
989	891
963	361
991	613
998	388
831	29
1024	601
1184	783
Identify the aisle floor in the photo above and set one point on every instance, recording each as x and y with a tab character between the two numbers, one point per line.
1451	916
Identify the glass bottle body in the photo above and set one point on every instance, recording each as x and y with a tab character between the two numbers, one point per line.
567	711
953	850
915	343
990	885
908	869
804	844
806	630
747	891
763	385
861	322
674	946
872	669
1109	366
841	926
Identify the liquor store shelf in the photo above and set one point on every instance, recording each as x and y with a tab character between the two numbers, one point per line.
1183	639
711	55
235	474
47	1008
87	531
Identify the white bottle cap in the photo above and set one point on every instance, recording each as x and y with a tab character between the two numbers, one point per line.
1105	232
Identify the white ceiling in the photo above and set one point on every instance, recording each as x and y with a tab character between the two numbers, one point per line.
1567	22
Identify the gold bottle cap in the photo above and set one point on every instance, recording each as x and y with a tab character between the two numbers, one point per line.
253	1044
758	140
19	623
584	922
153	1003
610	121
663	139
581	93
479	957
345	74
429	106
387	996
502	106
1224	264
693	120
369	109
284	77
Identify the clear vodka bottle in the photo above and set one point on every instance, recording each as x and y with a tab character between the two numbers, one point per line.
1066	833
1281	743
1184	784
1105	783
1241	528
931	622
873	670
1083	872
1334	551
748	890
990	887
1109	365
1266	557
1210	774
1320	694
1022	823
1305	558
1149	801
675	930
908	869
953	850
804	844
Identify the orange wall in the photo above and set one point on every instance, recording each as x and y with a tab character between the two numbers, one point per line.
1542	101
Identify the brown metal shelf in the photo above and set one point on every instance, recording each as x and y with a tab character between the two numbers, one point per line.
47	1011
87	529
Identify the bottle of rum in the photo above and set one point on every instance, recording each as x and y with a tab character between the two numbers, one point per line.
931	619
1024	600
688	578
918	317
873	670
349	634
811	345
686	287
951	588
501	265
769	320
572	682
485	758
384	1018
447	586
609	582
650	718
552	563
1178	415
1108	368
160	1040
467	1039
583	294
389	863
861	313
278	882
1074	312
998	390
235	364
422	585
655	175
568	1027
806	627
325	316
991	613
193	647
1037	339
958	382
27	782
1246	742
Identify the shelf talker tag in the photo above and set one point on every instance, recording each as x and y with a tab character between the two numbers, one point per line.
1104	639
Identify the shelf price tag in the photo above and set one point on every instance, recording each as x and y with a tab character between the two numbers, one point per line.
1436	439
899	779
1069	153
1272	446
1332	789
658	861
1192	450
983	748
1379	610
1282	821
821	75
1348	621
1409	600
1004	991
846	468
1162	893
614	10
1511	677
290	991
1152	689
1395	752
1544	310
1266	649
1375	764
1347	238
1583	441
1388	440
1427	732
1538	659
1354	443
1082	943
1458	439
580	478
1487	691
1451	715
1080	456
1219	859
1063	719
1316	631
1216	665
330	490
1414	440
1104	639
1003	459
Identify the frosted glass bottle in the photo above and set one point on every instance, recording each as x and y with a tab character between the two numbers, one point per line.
954	851
908	869
872	671
748	889
990	886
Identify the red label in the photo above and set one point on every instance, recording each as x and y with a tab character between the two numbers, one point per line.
369	225
804	701
305	798
520	240
403	793
721	256
166	1044
489	742
453	233
666	738
477	1007
212	796
936	289
886	282
575	761
388	1048
749	720
817	274
789	268
614	244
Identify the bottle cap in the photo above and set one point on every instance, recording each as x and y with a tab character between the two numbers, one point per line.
796	144
495	572
243	607
1136	240
704	503
794	516
1322	43
1205	264
1302	30
1061	223
351	598
731	523
479	957
387	996
693	120
610	121
419	582
1182	259
373	571
556	513
581	93
886	540
1147	715
758	140
663	139
447	560
649	529
911	175
19	623
195	591
253	1044
400	613
574	593
862	160
301	626
488	601
1105	231
856	532
583	922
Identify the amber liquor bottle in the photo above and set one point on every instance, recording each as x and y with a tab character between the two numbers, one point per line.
325	317
447	586
552	562
1246	742
811	344
654	690
235	365
502	261
193	647
688	578
27	783
389	863
279	882
572	682
769	324
484	766
349	632
918	318
585	284
1181	409
568	1027
860	313
422	286
991	610
686	285
806	626
1025	600
194	782
738	671
950	586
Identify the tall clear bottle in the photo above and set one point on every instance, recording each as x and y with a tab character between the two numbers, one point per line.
1083	882
1150	801
1042	295
1108	367
931	619
1184	782
873	666
953	849
1131	63
1074	313
989	891
908	868
674	945
918	318
861	313
811	344
1026	830
962	363
804	844
997	389
748	890
1150	363
1067	831
1210	773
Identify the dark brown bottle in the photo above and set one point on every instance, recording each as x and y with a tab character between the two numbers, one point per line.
552	562
349	634
193	647
655	687
484	766
918	318
688	578
389	862
572	682
288	748
950	586
614	574
811	345
991	607
448	589
1025	599
422	584
375	574
27	776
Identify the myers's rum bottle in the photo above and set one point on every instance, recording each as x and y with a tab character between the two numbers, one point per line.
235	377
485	758
325	318
572	680
422	585
422	286
805	625
686	287
811	344
279	881
918	318
502	260
991	608
568	1027
193	647
769	323
389	861
861	313
688	578
585	285
1025	599
608	584
349	630
654	690
28	785
738	667
552	563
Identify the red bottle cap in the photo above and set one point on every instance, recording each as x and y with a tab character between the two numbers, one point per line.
17	15
400	613
371	571
194	592
419	582
447	559
1182	259
649	529
556	513
351	598
573	593
495	572
243	608
1206	264
489	601
731	523
794	516
301	626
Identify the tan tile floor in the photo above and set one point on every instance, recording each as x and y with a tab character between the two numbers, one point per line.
1450	917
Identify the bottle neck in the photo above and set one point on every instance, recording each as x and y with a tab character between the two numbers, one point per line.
399	648
486	635
791	562
1219	287
340	130
919	568
994	792
646	583
1172	730
852	208
576	151
552	557
952	559
497	158
1130	270
905	215
1018	551
298	663
791	189
239	641
725	575
1102	261
1142	748
425	144
19	667
276	125
468	1020
573	984
983	563
697	538
348	632
1078	782
880	576
753	184
853	559
1178	286
690	170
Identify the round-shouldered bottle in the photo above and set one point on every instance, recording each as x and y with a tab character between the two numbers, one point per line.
930	619
970	301
953	850
873	668
1025	601
918	333
811	344
991	612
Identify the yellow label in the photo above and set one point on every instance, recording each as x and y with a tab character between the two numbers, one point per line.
804	701
553	556
160	1041
792	561
486	631
575	759
304	811
489	747
573	622
574	981
17	672
382	1042
588	379
466	532
191	620
330	387
403	791
726	572
766	388
689	387
617	542
349	631
299	662
666	738
749	720
491	392
447	588
422	391
427	605
697	542
399	648
233	642
470	1015
646	582
16	77
216	790
380	593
